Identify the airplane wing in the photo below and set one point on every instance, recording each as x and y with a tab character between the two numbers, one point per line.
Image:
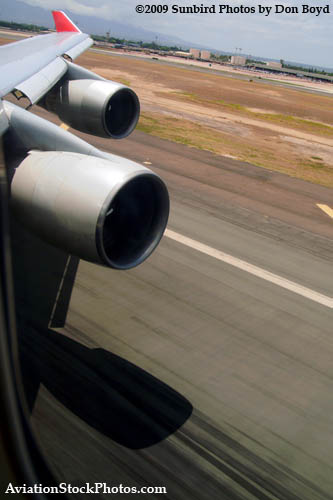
32	66
89	203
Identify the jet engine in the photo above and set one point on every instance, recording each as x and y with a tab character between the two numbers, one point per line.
98	107
92	104
111	213
95	205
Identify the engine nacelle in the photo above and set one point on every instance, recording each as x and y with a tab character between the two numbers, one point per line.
104	212
98	107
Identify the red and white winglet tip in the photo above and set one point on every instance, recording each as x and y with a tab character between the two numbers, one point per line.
63	23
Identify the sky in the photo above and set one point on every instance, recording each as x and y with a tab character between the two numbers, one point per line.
300	37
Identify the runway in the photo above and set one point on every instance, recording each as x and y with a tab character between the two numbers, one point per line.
187	372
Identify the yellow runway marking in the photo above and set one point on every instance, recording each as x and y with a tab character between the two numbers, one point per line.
326	209
64	126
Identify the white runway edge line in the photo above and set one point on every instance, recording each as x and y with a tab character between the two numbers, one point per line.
249	268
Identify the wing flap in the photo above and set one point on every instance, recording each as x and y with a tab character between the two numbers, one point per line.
79	49
33	66
37	85
20	61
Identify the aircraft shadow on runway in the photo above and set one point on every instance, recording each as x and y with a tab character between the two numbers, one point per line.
112	395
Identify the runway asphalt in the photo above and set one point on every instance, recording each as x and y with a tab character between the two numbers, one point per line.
189	372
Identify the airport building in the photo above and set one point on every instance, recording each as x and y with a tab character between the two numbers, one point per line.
238	60
291	72
180	53
200	54
195	53
205	54
274	64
